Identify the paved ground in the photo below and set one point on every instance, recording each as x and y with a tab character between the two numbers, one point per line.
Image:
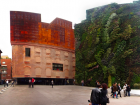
59	95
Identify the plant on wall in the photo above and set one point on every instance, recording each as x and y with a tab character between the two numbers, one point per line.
109	38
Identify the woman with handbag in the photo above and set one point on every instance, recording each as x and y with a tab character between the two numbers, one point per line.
104	94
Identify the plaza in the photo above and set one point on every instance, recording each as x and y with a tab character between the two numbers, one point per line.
59	95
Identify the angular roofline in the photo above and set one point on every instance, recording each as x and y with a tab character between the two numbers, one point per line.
60	19
26	12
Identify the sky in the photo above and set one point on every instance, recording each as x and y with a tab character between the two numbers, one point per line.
71	10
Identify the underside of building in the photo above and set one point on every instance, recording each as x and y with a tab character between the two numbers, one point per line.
41	50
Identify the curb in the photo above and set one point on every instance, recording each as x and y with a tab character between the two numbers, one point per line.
5	88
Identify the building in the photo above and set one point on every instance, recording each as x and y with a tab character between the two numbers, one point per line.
6	69
0	58
44	51
4	57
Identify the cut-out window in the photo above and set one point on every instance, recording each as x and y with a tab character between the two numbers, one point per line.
58	67
27	51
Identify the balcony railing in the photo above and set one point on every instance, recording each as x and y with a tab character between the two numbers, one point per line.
3	68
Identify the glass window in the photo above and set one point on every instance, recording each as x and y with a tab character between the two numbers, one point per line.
27	52
3	62
58	67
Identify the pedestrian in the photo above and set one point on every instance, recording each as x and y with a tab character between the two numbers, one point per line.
112	89
82	82
128	89
104	94
15	81
12	83
95	97
30	82
33	80
67	81
124	89
74	81
52	83
119	89
115	89
7	82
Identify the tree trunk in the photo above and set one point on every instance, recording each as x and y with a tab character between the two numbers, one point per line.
109	81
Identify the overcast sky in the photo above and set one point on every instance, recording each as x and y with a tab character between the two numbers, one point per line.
72	10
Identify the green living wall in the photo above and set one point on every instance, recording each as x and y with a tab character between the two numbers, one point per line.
108	45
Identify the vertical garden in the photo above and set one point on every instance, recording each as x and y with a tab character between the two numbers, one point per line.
108	45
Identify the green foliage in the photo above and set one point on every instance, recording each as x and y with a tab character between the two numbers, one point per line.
137	86
110	38
91	65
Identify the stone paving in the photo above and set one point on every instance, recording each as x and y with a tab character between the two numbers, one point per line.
59	95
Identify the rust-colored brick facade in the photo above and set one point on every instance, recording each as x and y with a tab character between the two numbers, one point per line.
49	44
6	69
0	59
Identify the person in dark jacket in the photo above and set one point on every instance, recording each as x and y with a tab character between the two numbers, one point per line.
112	90
104	94
119	89
95	98
128	89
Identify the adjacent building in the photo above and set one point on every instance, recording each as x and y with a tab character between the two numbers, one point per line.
44	51
0	58
6	69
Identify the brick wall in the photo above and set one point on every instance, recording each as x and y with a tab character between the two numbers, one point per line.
39	64
8	65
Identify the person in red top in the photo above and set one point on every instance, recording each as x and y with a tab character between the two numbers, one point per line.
33	80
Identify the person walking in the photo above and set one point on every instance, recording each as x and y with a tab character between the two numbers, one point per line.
119	89
112	90
115	89
104	93
7	82
74	82
128	89
12	83
95	97
52	83
82	82
32	82
124	89
67	81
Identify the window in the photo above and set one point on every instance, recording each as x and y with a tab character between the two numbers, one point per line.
4	68
4	71
58	67
4	75
3	62
27	52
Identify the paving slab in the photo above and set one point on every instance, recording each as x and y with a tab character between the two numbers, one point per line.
59	95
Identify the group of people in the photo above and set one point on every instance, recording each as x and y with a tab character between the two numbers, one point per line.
31	82
6	82
116	90
99	95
